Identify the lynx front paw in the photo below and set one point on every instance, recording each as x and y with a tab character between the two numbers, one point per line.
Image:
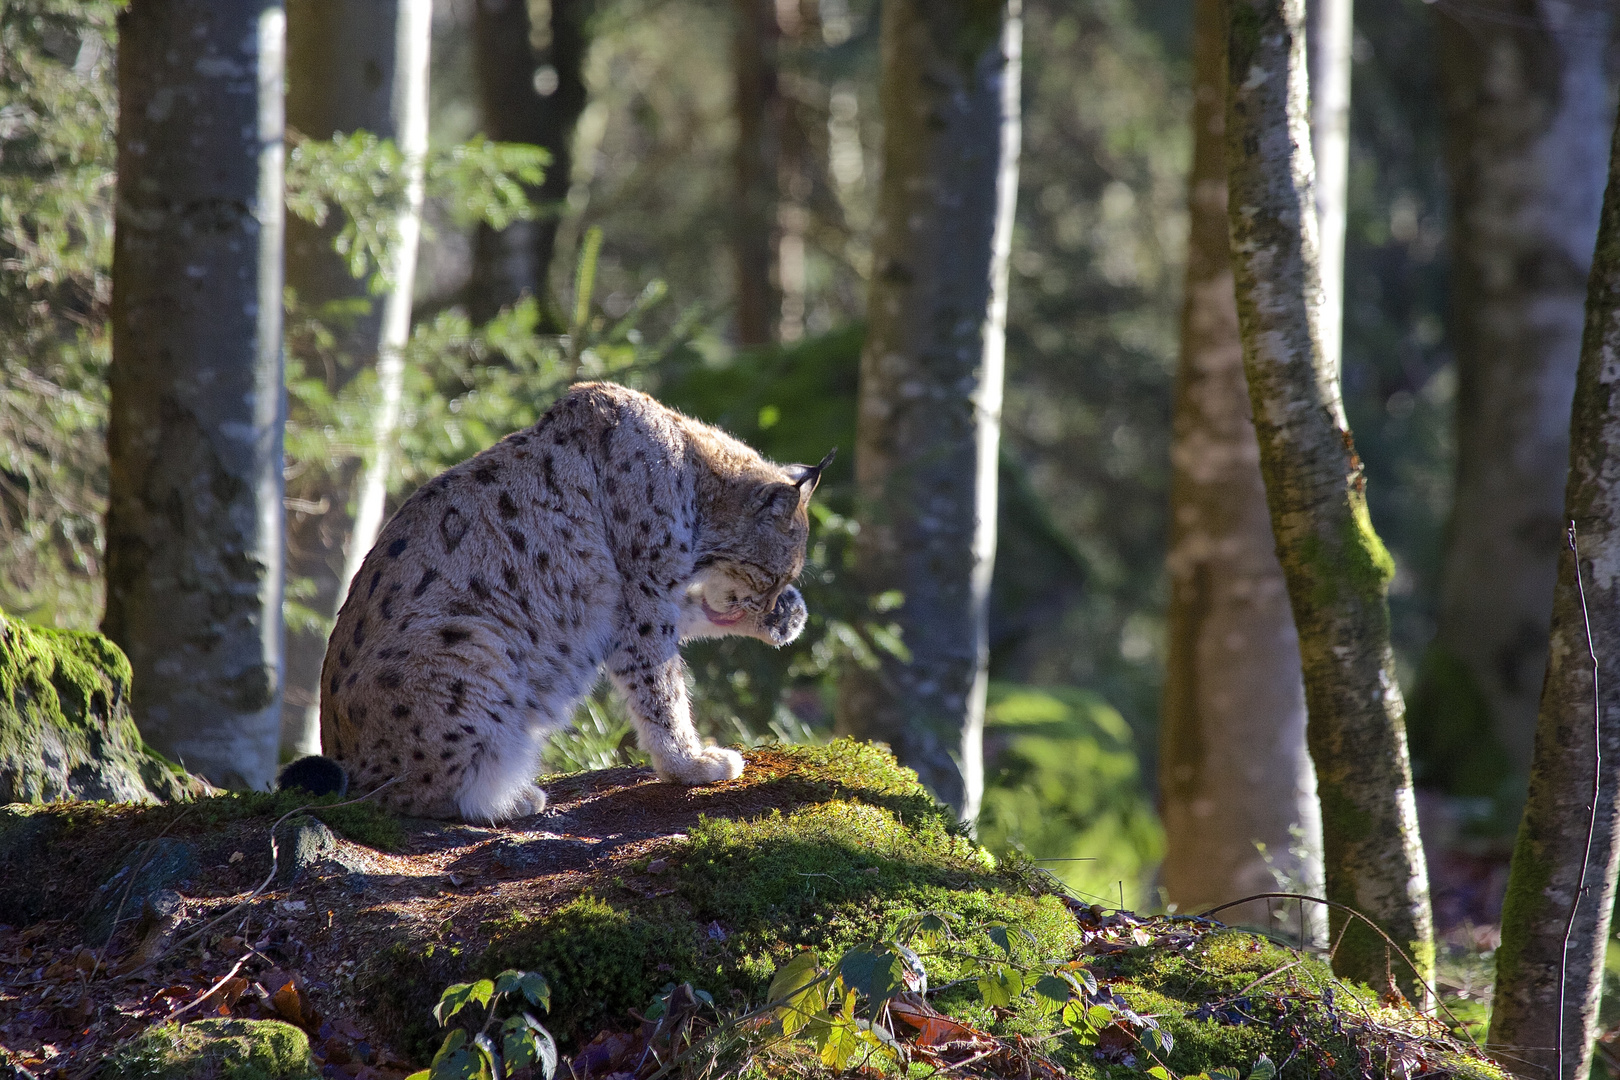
709	766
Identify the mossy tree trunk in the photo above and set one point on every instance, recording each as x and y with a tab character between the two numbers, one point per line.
1526	98
1233	765
1336	568
354	65
531	89
1568	849
194	524
929	417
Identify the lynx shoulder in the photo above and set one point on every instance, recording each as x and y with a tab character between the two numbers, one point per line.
606	534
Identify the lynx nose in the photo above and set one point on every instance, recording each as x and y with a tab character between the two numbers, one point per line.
786	620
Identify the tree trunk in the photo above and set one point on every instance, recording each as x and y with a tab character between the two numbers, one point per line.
531	88
1568	850
1526	99
1336	568
194	524
412	36
355	65
931	378
759	108
1233	765
1328	31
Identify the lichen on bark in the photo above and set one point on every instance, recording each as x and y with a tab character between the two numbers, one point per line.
1336	568
1561	886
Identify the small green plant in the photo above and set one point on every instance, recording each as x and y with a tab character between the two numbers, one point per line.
496	1047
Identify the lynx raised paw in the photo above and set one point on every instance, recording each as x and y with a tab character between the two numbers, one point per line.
709	766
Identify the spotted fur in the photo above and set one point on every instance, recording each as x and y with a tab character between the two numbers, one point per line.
606	534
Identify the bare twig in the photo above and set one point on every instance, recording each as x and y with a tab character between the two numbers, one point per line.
212	990
1597	777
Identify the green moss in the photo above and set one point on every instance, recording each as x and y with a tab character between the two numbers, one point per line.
214	1050
65	726
746	895
1524	903
1367	562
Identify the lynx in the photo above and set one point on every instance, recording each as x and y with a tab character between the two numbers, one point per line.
608	533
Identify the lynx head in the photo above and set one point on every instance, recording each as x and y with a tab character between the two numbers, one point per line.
752	553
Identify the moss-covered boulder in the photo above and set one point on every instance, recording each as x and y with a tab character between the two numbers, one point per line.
214	1050
627	887
65	726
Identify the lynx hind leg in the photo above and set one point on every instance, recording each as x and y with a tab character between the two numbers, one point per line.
499	786
487	805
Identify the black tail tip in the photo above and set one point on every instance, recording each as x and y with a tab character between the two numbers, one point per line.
314	774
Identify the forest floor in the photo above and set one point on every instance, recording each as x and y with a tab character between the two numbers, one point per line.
622	890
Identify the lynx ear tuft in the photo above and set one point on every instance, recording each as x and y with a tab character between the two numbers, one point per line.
810	475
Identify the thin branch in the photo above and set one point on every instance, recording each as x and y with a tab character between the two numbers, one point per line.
1597	778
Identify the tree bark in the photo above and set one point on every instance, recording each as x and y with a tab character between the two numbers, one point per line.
1328	30
531	88
355	65
1526	100
1233	765
1336	568
1568	849
931	381
759	108
194	525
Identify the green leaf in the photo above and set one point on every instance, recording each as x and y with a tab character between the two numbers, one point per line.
461	1064
873	970
1053	993
1221	1073
1001	986
999	935
840	1043
536	991
1159	1072
800	985
459	995
524	1042
1264	1069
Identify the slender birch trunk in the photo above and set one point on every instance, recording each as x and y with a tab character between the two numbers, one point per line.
1233	765
1568	849
1526	99
194	522
355	65
1337	569
413	34
931	380
531	89
1328	31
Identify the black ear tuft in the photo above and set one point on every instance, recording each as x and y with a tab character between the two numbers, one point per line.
314	774
811	474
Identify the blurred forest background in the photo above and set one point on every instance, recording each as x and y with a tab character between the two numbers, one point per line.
642	218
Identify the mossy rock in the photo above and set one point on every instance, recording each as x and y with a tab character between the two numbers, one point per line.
214	1050
65	725
627	885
